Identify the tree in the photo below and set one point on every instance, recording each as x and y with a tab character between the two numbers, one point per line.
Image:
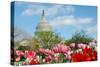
79	37
19	34
47	39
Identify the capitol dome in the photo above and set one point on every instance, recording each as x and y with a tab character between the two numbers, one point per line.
43	25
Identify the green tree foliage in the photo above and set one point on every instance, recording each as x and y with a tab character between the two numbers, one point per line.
34	44
23	48
79	37
47	39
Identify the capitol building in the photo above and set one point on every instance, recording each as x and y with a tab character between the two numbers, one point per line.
43	25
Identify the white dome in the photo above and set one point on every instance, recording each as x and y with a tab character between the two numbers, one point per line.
43	25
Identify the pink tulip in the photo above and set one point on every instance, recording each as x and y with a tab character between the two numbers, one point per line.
68	57
61	48
82	46
56	58
55	49
49	52
18	59
92	44
19	53
41	50
24	63
46	51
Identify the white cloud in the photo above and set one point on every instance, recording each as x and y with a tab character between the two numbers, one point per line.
32	10
71	20
52	11
49	10
68	9
29	12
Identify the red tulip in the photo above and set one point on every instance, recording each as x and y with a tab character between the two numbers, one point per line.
48	58
77	57
88	58
32	61
29	54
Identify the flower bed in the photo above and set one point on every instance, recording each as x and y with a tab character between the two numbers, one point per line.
58	54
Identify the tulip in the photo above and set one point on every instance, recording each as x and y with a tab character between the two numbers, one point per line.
29	54
92	44
41	50
59	53
24	63
56	58
48	58
19	53
18	59
68	57
32	61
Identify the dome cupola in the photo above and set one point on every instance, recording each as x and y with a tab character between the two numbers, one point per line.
43	25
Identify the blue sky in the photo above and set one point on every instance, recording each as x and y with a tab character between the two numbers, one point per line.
64	19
